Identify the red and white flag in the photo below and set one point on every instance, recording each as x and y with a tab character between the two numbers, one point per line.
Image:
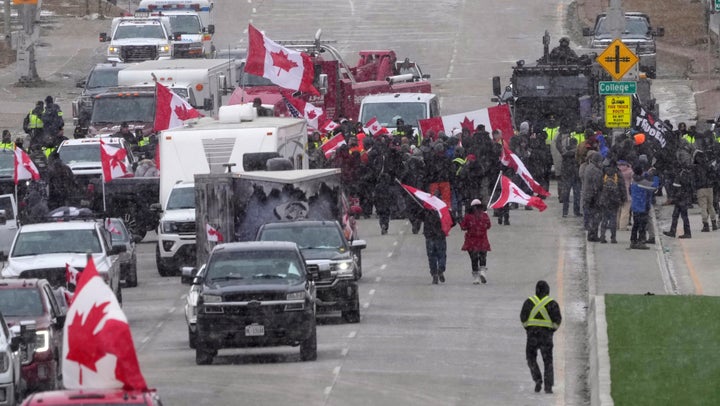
511	193
332	144
114	162
24	167
213	235
98	349
509	159
313	115
71	274
284	67
493	118
171	110
376	128
110	227
329	126
433	203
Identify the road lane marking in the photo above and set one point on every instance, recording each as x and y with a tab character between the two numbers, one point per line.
327	390
371	292
352	334
691	268
559	277
366	305
336	370
383	266
344	352
171	310
395	243
389	254
378	278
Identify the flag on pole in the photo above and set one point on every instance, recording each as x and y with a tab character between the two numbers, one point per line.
114	162
71	274
98	349
285	67
375	128
330	146
511	193
313	115
509	159
213	235
24	167
433	203
171	110
497	117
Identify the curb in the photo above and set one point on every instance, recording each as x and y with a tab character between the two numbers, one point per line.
599	376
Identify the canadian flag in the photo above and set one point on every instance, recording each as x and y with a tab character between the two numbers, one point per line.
511	193
24	167
114	162
376	128
284	67
213	235
171	110
312	114
329	126
98	349
332	144
497	117
433	203
110	227
509	159
71	274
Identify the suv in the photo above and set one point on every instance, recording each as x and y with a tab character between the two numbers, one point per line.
255	294
176	233
323	244
638	36
140	38
102	77
107	397
44	250
11	384
34	299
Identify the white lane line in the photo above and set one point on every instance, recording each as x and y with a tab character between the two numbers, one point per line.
344	352
378	279
171	310
336	370
327	390
402	232
372	292
352	334
146	339
395	243
383	266
389	254
159	325
366	305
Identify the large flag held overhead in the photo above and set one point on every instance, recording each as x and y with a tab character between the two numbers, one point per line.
511	193
114	162
284	67
431	202
312	114
171	110
24	167
649	124
509	159
493	118
375	128
98	349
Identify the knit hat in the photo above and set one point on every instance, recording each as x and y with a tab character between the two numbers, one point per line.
49	100
475	202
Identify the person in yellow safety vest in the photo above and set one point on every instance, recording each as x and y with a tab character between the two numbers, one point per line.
33	124
685	134
7	141
579	133
551	130
48	150
540	316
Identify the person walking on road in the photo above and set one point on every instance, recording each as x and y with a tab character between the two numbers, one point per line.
435	244
540	316
475	224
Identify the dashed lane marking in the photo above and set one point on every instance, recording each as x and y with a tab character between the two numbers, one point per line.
352	334
371	292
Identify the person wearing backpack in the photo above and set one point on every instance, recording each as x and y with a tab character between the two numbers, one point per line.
612	196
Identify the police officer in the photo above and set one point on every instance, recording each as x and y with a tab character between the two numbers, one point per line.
33	125
563	52
540	316
125	133
52	119
7	140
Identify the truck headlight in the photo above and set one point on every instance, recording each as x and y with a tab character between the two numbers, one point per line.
42	341
646	48
113	50
164	49
343	267
4	362
211	298
296	295
169	227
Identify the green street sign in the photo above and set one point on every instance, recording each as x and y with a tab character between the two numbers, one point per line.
717	5
618	87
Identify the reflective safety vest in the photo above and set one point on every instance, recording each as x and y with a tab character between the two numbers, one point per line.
579	136
551	133
7	145
144	141
540	308
461	162
47	151
689	138
35	120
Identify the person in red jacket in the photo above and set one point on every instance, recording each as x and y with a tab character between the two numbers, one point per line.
475	224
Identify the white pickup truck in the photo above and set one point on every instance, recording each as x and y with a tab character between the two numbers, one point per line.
137	39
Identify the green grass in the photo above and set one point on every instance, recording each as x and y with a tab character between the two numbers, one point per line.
664	350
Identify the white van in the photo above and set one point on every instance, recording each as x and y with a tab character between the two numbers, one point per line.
191	22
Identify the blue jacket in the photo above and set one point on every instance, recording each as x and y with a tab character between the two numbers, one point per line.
641	191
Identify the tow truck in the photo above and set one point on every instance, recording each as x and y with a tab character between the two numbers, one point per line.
342	87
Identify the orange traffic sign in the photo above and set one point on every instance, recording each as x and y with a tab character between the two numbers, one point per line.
19	2
617	59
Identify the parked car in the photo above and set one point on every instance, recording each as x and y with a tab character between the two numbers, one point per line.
191	305
35	299
121	236
12	386
323	244
256	294
105	397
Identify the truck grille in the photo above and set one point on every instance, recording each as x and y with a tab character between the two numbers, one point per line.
138	53
258	296
186	227
56	276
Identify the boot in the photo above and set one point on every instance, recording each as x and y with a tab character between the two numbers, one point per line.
685	236
714	225
435	279
476	278
706	228
483	275
670	233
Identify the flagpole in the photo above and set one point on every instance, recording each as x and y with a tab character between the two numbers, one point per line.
494	187
408	192
103	194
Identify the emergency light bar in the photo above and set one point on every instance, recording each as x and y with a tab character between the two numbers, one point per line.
193	7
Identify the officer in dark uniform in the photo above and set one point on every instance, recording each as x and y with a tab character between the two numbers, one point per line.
540	315
563	53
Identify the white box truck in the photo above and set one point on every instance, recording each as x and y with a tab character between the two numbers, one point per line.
237	137
199	81
191	22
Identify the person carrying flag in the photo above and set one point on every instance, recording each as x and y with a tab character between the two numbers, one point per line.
435	243
475	224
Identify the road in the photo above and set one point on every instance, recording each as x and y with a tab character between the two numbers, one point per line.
420	344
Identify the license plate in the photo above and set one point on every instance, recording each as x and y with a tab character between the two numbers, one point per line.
254	330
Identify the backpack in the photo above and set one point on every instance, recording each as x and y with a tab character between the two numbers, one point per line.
610	192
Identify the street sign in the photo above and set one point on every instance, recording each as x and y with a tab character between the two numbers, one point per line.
618	111
618	87
617	59
18	2
717	5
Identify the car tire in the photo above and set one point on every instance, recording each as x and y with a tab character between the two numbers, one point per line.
352	315
192	338
131	277
162	267
204	356
308	347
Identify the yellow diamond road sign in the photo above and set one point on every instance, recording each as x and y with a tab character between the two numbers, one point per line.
617	59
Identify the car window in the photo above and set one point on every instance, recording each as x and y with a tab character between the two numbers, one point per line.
119	234
54	306
21	303
6	204
103	78
56	241
7	162
181	198
139	31
322	237
88	152
255	267
185	24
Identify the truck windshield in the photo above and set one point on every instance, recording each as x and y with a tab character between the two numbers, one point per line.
181	198
139	31
264	266
56	242
310	237
119	109
384	112
103	78
185	24
21	303
634	27
89	152
250	80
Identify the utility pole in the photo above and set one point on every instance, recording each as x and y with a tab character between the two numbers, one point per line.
23	41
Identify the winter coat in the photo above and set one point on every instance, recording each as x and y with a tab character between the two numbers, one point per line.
432	228
641	192
627	175
147	169
592	180
475	226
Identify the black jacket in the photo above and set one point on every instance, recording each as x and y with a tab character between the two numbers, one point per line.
542	289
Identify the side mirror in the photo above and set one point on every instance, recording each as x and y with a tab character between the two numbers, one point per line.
358	244
156	208
81	83
323	83
103	37
496	85
60	321
211	29
187	275
426	76
660	32
118	249
15	343
3	256
587	32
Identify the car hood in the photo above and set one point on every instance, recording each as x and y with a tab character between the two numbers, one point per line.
139	41
179	215
106	129
85	168
16	265
235	286
41	322
332	254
